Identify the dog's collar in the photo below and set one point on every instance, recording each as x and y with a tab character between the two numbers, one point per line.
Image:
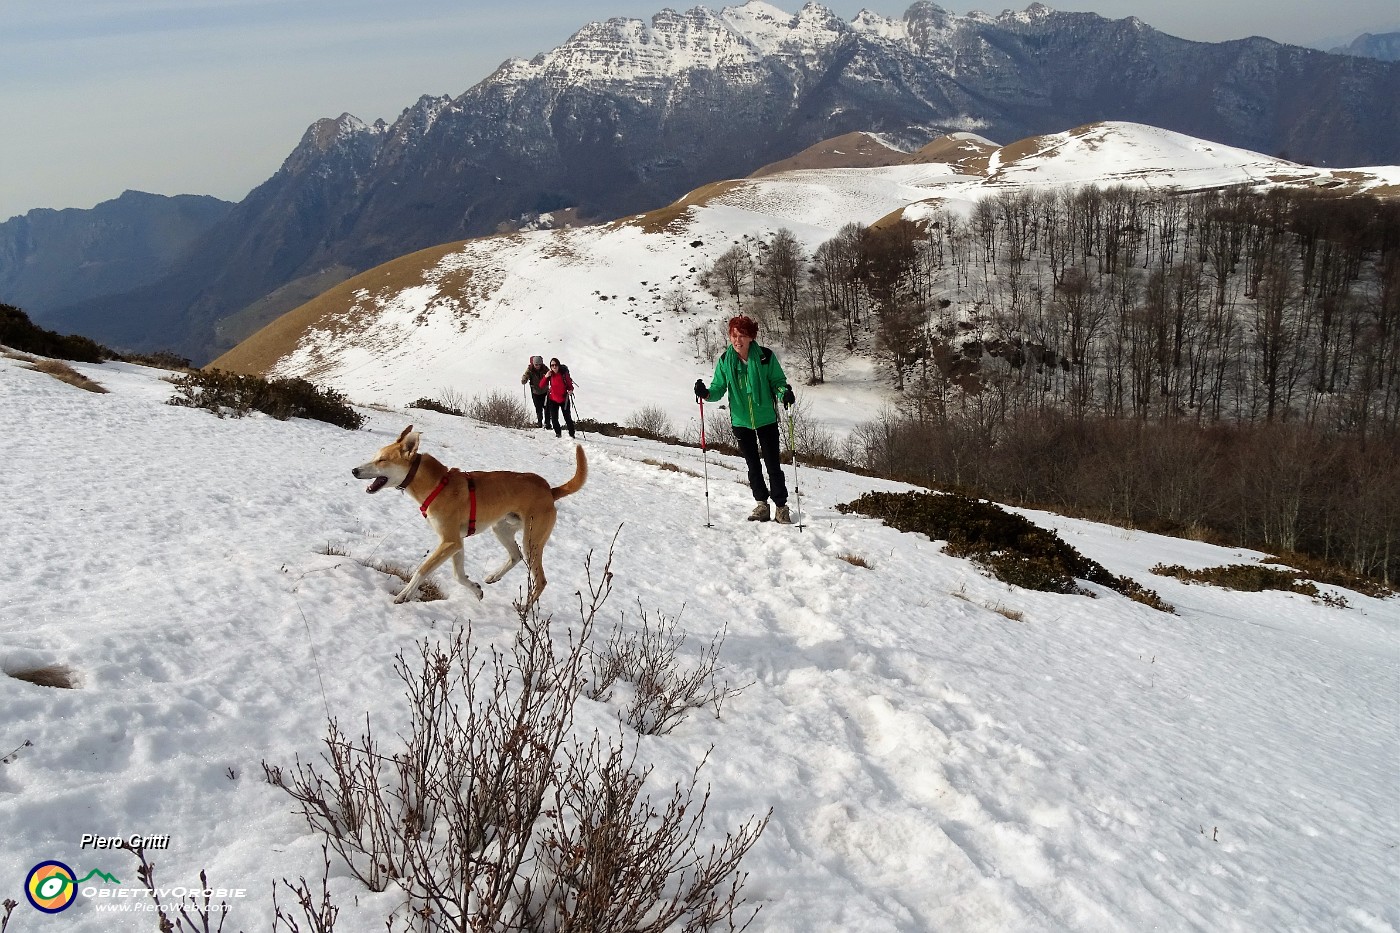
412	472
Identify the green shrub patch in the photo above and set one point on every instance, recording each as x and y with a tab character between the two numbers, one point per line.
1010	547
236	395
18	332
1248	578
432	404
1320	571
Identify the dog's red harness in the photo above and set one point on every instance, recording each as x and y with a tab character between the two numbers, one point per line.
471	497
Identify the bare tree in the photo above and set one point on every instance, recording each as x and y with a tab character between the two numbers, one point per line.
779	276
836	272
731	272
814	328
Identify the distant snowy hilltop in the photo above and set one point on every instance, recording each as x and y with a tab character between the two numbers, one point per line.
630	297
628	115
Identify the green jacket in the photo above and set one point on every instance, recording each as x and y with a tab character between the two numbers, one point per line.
753	387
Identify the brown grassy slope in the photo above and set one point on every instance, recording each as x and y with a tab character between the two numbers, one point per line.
851	150
968	156
861	150
260	352
671	218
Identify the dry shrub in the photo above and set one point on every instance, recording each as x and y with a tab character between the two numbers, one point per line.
50	675
652	421
428	591
662	692
501	409
605	828
65	373
669	467
719	432
489	815
855	560
196	913
708	341
1001	609
813	443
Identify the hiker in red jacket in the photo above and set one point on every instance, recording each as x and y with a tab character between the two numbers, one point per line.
558	384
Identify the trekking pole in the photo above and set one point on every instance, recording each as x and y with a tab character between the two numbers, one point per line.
796	485
573	411
704	454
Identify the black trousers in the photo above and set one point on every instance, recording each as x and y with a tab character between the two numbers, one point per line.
551	417
761	448
539	406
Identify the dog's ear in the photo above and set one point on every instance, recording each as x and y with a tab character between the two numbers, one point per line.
408	442
404	434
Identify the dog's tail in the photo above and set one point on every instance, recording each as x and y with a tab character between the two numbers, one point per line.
579	478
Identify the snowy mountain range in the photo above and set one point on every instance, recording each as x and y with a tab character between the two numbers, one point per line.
462	318
628	115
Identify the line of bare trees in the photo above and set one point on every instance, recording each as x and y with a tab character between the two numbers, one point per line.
1047	333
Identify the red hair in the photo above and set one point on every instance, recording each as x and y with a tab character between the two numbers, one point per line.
744	325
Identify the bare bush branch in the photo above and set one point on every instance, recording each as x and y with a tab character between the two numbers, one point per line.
663	691
619	862
318	911
480	815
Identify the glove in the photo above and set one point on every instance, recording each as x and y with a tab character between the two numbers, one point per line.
788	398
700	391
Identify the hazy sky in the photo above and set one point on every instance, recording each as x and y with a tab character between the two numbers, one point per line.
209	96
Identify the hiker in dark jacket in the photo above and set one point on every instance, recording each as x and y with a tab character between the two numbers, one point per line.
558	385
754	380
533	374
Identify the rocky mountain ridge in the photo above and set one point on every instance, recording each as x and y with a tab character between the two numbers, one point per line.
627	116
1384	46
51	258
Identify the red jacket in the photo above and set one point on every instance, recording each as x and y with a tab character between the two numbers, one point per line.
558	385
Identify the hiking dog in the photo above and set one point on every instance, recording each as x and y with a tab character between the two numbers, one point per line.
457	504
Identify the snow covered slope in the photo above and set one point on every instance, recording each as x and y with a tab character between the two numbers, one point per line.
940	751
465	317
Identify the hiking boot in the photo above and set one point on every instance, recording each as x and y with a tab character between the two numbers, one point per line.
784	516
759	513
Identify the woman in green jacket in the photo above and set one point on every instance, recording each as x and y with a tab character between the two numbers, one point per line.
752	376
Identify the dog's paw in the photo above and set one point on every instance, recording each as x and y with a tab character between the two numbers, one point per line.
403	597
476	588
